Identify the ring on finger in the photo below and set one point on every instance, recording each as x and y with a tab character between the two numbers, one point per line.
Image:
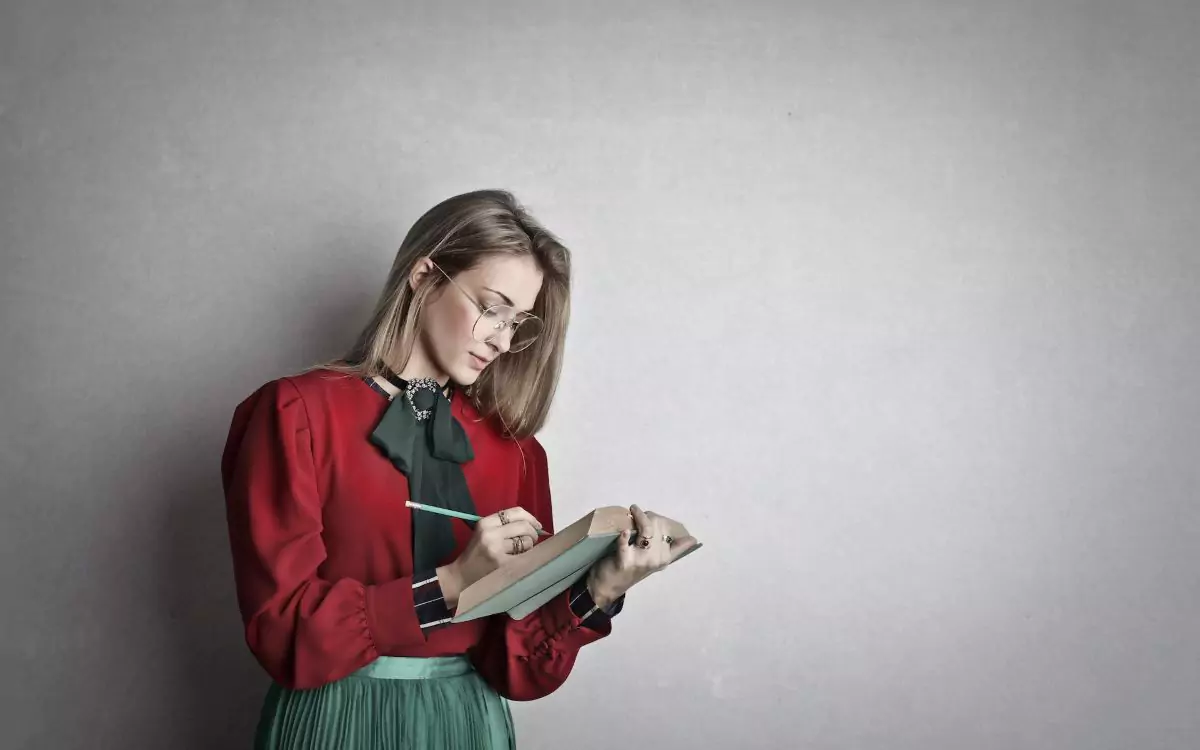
516	545
503	517
644	541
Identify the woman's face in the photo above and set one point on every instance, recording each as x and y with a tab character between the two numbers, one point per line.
449	318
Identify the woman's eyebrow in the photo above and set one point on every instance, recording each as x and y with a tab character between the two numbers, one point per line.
502	296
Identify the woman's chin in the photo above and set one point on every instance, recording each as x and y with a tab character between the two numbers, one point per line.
467	375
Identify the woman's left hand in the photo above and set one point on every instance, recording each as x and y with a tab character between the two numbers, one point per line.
629	564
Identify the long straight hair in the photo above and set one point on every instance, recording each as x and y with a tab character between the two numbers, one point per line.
457	234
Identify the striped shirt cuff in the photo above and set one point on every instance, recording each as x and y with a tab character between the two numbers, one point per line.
585	608
429	601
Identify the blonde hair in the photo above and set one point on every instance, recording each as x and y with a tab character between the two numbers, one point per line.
458	234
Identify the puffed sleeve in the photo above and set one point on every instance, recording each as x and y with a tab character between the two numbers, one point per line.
305	631
530	658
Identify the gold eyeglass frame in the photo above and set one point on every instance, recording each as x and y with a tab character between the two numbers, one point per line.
512	324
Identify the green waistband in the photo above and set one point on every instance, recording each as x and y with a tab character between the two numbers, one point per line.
411	668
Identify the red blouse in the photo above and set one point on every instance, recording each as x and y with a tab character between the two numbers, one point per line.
322	542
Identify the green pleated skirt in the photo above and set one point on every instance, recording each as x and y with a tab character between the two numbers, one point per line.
393	703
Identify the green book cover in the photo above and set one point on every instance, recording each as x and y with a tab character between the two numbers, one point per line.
527	582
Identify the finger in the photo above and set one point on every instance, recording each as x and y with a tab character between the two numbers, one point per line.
681	546
645	527
517	545
658	526
520	514
626	552
514	528
656	555
663	551
660	546
640	519
662	524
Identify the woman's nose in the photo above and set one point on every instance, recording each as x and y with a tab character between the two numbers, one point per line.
501	340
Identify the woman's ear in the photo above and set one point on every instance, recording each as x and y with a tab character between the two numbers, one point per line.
422	267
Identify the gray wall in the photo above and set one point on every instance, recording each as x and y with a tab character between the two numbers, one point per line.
895	304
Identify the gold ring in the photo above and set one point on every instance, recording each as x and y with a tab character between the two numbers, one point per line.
516	545
503	517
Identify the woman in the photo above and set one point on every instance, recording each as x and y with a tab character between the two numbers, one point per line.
346	593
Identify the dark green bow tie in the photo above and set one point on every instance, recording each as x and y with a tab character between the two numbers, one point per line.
424	441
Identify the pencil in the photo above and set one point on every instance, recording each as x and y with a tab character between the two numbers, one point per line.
471	517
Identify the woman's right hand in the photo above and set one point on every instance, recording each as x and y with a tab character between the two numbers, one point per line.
497	538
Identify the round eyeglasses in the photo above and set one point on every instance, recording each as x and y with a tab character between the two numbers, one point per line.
523	328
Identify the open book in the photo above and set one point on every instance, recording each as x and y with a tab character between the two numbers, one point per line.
528	581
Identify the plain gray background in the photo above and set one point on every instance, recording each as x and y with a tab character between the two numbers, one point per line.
894	303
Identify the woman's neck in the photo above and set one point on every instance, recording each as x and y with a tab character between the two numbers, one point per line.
393	390
420	366
413	370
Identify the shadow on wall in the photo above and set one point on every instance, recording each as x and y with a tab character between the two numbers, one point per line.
219	685
214	677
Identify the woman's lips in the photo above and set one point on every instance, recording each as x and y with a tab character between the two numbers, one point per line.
478	362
